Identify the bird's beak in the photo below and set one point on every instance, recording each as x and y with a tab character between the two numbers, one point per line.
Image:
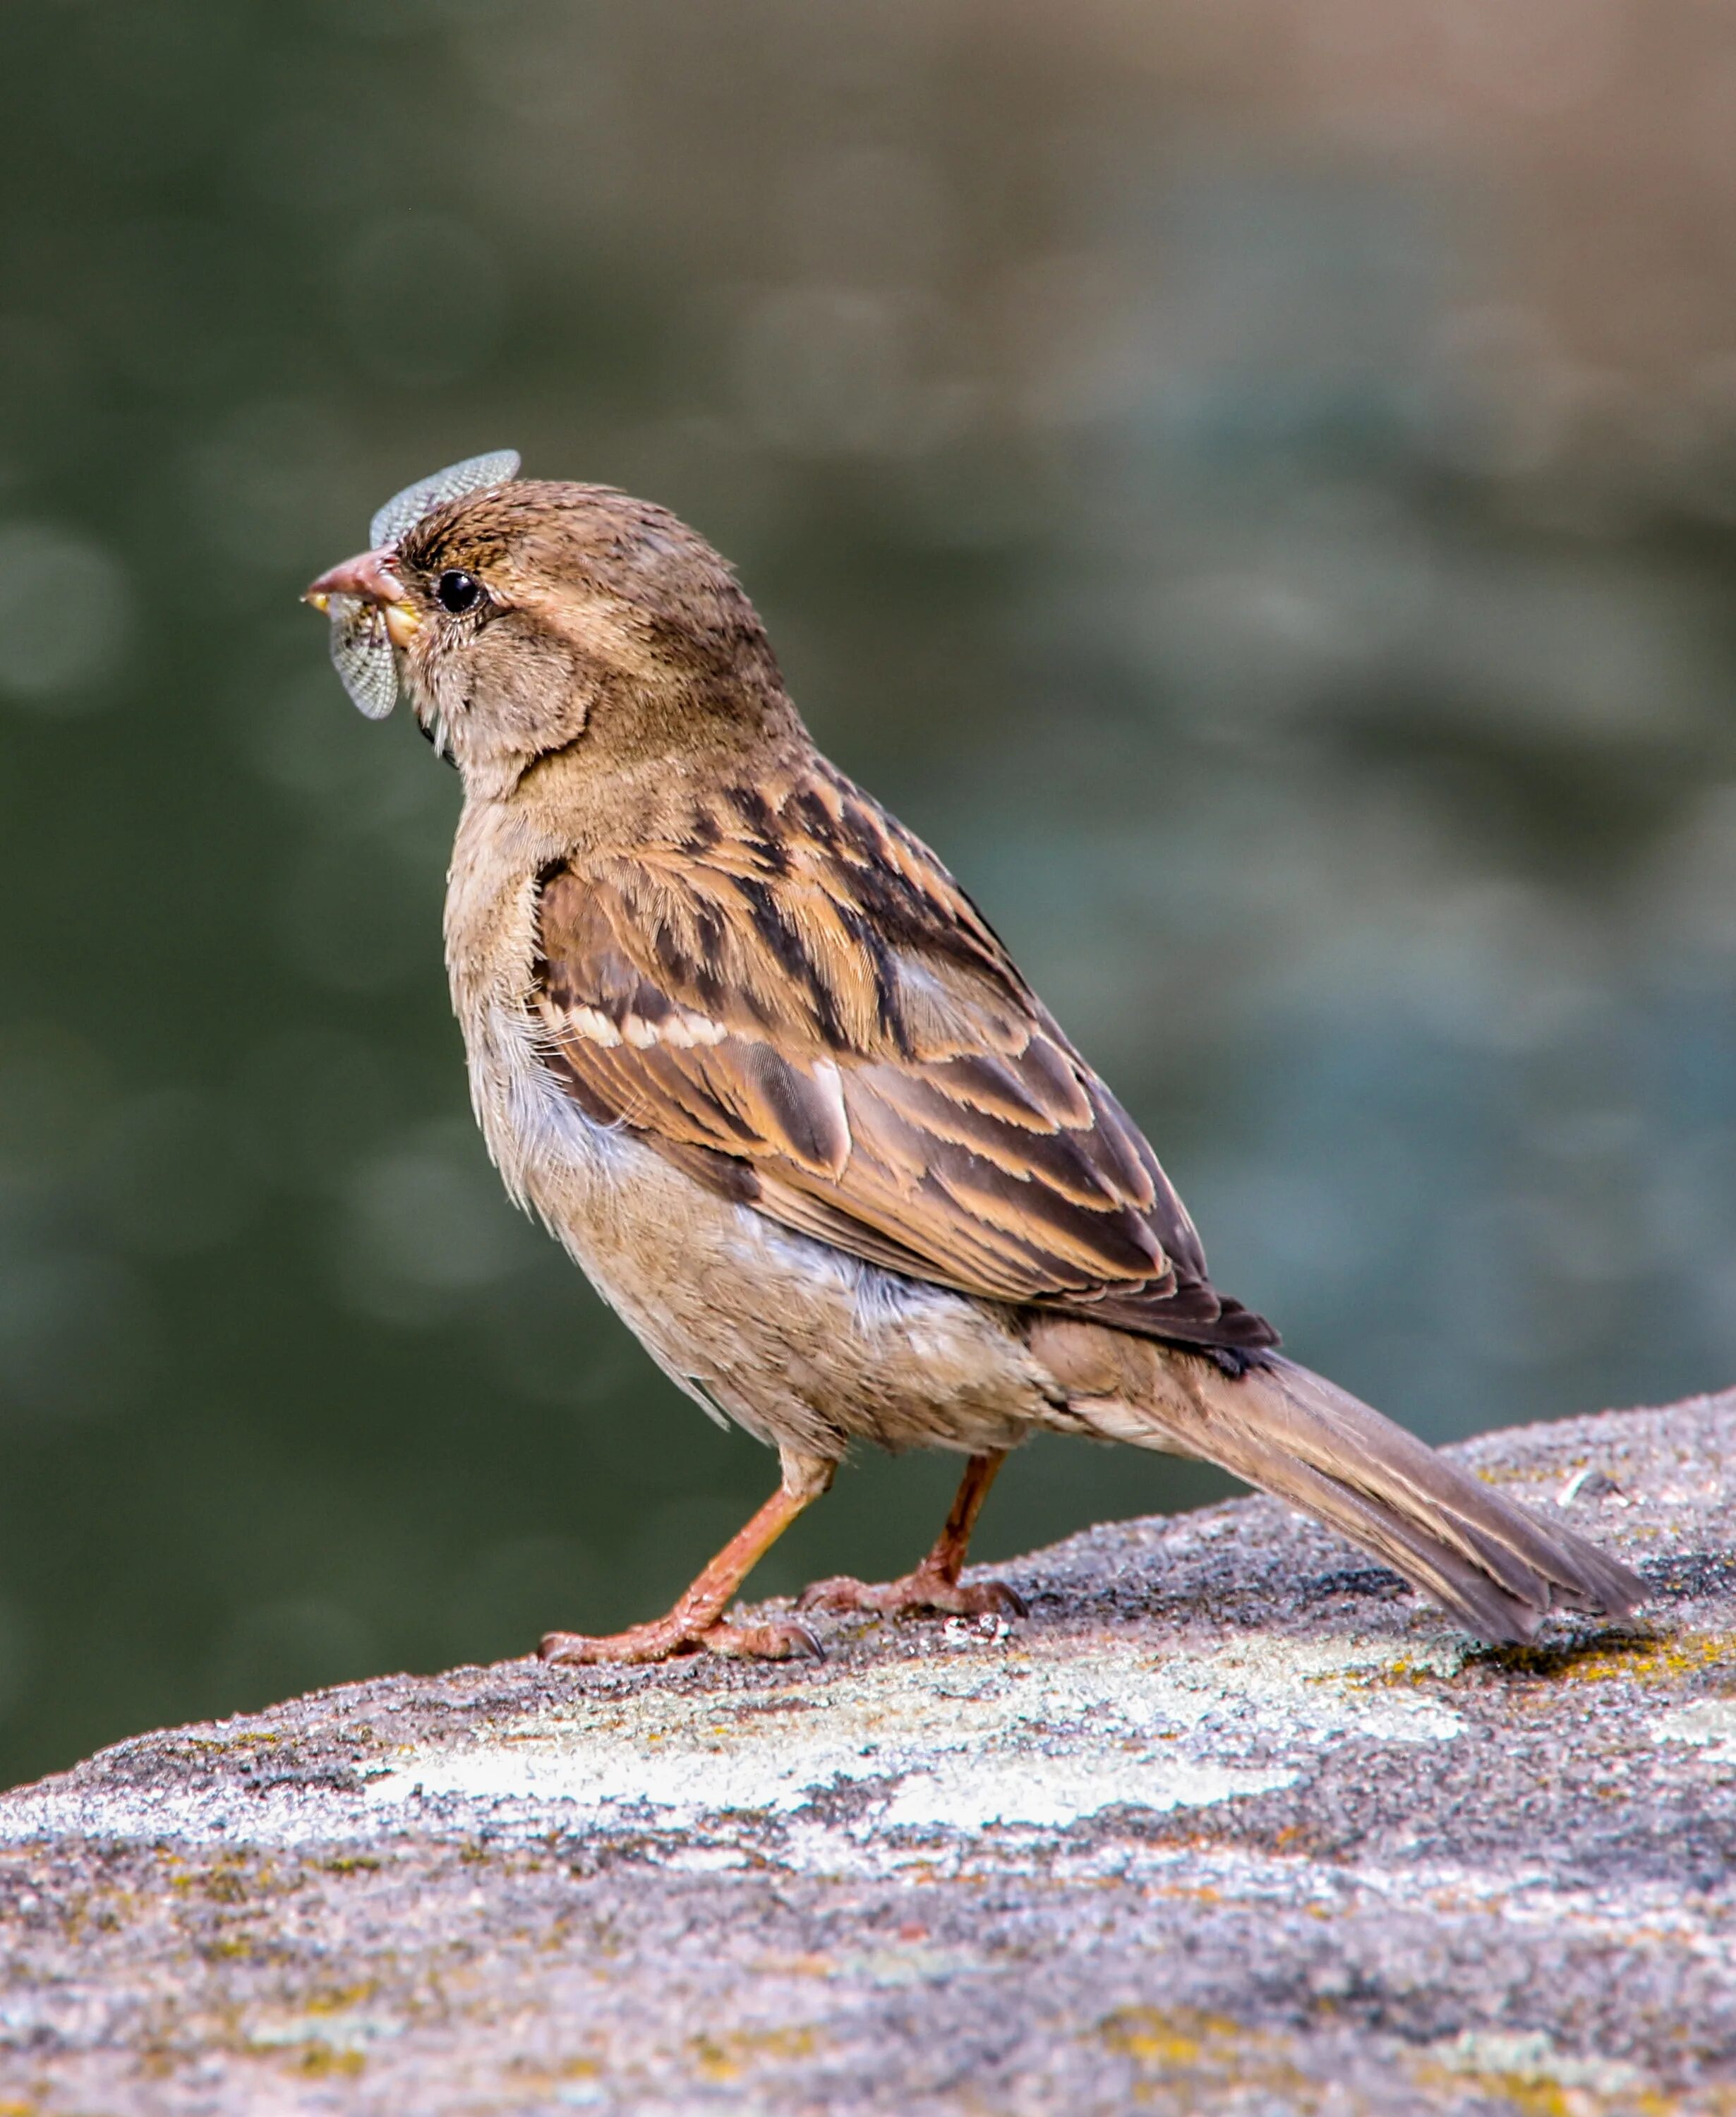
369	578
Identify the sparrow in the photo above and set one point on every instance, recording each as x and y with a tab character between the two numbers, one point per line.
758	1062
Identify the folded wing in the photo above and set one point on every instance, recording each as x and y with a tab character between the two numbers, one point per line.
798	1004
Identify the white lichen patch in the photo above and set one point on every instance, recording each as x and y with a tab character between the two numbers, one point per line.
347	2032
1530	2058
1709	1722
1044	1735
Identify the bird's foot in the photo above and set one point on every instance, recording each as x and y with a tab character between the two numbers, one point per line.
926	1593
661	1640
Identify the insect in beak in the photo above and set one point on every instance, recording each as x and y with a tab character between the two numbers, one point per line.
369	578
371	616
372	620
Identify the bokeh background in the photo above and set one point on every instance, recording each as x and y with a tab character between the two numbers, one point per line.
1255	484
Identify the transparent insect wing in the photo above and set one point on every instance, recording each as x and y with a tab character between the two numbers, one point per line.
408	507
362	654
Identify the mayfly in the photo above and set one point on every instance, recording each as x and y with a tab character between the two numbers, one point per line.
361	650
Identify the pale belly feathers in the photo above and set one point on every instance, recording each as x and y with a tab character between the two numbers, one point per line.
803	1345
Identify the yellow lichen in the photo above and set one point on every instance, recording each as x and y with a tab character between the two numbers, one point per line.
1182	2055
725	2058
1529	2096
1647	1657
338	1998
320	2059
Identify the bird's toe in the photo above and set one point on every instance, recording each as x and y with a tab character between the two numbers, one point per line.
780	1639
926	1593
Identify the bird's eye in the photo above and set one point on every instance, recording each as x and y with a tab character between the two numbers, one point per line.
457	590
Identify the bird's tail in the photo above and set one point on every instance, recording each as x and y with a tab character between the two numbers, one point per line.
1493	1564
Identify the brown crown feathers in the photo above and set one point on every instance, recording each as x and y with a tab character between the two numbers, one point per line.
603	616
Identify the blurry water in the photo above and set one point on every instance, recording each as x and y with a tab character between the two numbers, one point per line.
1234	481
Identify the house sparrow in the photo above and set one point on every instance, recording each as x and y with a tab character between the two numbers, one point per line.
763	1067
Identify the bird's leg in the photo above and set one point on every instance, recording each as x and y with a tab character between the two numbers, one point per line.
934	1586
696	1622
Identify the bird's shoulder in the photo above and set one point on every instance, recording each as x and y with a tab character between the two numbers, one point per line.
786	905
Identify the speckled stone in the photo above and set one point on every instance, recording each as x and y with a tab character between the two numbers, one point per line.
1230	1825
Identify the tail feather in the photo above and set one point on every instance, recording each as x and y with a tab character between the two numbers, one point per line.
1492	1563
1487	1604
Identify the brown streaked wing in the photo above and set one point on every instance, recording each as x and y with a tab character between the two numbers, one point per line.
798	1004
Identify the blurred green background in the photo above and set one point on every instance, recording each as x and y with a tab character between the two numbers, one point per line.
1255	485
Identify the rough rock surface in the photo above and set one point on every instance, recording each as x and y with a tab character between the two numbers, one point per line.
1231	1824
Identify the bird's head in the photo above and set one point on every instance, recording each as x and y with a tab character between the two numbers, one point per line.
526	619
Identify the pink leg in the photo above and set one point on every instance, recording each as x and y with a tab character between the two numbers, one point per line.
933	1587
696	1622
